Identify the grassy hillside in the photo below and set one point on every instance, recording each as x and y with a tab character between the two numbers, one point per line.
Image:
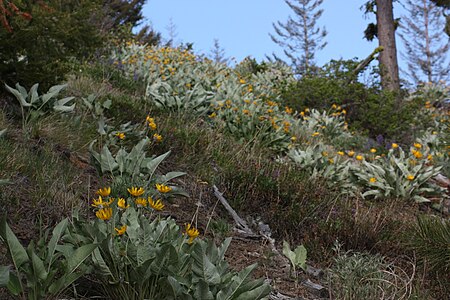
369	212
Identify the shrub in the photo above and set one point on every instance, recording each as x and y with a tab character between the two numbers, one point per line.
38	48
140	257
368	108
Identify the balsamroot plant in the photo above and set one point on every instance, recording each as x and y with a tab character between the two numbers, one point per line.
142	256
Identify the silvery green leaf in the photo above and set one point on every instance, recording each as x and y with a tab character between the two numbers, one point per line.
107	161
52	92
34	93
107	103
154	163
19	96
420	199
101	125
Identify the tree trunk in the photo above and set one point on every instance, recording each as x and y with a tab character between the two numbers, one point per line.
386	38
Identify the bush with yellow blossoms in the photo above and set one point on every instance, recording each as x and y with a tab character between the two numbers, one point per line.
141	255
401	174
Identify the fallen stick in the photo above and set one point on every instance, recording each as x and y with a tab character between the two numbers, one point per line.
238	220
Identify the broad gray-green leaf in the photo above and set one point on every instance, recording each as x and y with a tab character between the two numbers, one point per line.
100	263
154	163
4	276
19	96
297	257
237	282
60	105
14	286
107	161
34	94
175	286
223	248
107	104
2	132
62	283
255	294
202	291
121	156
38	267
52	92
58	231
171	175
16	250
79	256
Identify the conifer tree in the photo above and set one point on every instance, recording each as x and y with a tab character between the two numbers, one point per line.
426	48
218	53
122	12
300	36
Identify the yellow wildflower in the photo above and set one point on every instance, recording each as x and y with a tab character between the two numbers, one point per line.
151	123
418	145
306	110
410	177
241	81
120	135
213	115
136	192
324	153
351	153
341	153
430	157
140	202
192	232
121	230
302	113
315	134
293	139
99	203
372	180
359	157
246	112
157	137
104	213
163	188
288	110
334	106
373	150
122	204
104	192
394	145
331	161
156	205
269	111
417	154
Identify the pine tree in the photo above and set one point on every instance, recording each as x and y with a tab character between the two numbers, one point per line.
218	53
172	34
426	47
122	12
300	37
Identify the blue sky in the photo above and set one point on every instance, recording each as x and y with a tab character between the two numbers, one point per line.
243	26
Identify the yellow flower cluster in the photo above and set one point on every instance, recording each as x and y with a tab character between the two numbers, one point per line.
151	123
192	232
